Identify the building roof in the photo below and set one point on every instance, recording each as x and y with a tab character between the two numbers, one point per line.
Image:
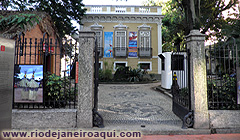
45	24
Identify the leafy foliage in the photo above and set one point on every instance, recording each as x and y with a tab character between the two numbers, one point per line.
176	26
128	74
105	74
58	91
136	75
61	12
222	93
17	20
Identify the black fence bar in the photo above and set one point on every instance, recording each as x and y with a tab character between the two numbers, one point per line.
222	61
50	54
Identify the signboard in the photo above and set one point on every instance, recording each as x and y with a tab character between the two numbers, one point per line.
28	84
7	51
108	42
76	72
132	44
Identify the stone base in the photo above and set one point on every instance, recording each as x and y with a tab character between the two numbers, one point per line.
224	119
47	118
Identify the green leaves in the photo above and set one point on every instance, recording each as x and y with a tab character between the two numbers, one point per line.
58	90
222	92
61	12
17	20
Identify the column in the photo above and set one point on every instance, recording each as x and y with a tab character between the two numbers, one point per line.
159	45
195	42
85	79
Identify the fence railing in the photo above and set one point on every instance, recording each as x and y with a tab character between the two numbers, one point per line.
221	63
145	52
120	52
51	66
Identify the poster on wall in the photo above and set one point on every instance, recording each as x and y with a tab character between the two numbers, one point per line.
108	42
132	44
28	84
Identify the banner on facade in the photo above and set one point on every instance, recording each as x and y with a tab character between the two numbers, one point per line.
108	42
28	84
132	44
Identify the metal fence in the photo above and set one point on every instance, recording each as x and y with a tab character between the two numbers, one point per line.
180	66
222	62
58	86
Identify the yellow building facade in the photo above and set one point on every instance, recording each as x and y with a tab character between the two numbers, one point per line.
127	35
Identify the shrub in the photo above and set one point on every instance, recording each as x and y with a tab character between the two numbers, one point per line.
58	91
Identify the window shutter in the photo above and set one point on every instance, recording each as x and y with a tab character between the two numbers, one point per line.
120	39
145	39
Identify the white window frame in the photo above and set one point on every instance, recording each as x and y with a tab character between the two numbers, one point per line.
121	37
98	28
146	62
101	62
99	38
114	65
146	29
143	39
120	28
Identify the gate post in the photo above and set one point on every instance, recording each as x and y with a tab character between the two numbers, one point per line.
198	79
86	79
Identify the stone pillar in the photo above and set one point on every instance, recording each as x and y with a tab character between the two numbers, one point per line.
199	104
7	51
85	79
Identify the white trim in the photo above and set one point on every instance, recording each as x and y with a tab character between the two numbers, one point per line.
120	26
120	38
101	64
146	62
142	34
155	57
144	27
110	18
114	65
95	26
159	46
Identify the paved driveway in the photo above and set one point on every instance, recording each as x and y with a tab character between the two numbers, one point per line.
135	105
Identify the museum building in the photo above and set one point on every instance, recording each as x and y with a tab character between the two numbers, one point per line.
126	35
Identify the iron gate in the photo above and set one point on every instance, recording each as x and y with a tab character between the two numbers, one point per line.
180	62
97	118
59	62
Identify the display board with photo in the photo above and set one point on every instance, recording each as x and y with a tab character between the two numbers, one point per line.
28	84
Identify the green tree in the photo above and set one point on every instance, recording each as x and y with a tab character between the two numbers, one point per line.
181	16
61	12
172	24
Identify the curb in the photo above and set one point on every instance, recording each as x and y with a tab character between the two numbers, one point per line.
164	91
148	82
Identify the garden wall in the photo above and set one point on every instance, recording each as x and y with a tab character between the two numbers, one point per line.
47	118
225	119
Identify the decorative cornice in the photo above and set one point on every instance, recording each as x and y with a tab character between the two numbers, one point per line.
144	27
122	18
95	26
120	26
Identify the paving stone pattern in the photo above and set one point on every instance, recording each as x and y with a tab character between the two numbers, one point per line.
135	104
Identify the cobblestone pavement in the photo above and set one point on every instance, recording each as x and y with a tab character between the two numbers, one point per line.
136	105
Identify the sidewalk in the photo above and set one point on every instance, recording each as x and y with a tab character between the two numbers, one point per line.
193	137
139	107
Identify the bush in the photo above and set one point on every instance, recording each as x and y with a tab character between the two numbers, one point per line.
105	74
58	91
128	74
222	93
